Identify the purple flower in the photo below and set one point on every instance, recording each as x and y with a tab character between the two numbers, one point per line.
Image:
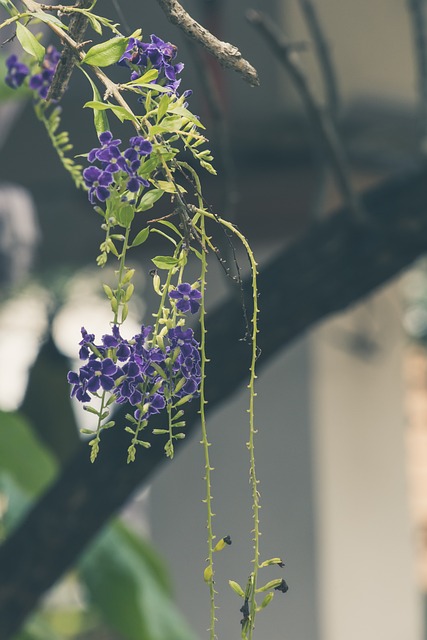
186	298
116	342
101	374
16	72
79	389
115	166
157	54
139	145
97	182
134	54
41	82
87	338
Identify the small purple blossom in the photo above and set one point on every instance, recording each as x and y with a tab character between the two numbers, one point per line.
116	169
157	54
16	72
41	82
97	182
101	374
186	298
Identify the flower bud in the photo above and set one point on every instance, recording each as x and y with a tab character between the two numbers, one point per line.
208	574
236	588
268	598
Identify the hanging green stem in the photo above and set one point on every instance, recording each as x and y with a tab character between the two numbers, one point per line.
251	410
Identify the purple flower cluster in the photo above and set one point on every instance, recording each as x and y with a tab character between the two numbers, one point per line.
16	72
157	54
115	166
136	372
186	298
40	82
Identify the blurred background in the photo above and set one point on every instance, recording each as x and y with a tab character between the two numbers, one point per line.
342	414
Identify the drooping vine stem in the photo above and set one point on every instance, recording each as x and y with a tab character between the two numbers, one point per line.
251	410
209	571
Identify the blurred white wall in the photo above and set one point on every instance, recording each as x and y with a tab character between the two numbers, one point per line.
367	584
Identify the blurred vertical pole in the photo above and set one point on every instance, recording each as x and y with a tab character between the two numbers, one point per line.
418	14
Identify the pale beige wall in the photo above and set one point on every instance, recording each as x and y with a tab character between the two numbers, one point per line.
367	586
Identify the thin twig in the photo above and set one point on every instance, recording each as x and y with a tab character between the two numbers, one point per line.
418	11
227	54
76	30
323	57
320	119
330	88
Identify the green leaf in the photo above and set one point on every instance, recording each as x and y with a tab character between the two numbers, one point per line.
128	584
120	112
94	23
146	78
125	214
150	87
170	187
171	226
29	42
106	53
169	125
163	106
23	456
185	113
165	262
45	17
149	199
100	119
165	235
141	237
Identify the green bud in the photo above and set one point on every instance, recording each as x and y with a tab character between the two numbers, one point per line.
156	284
129	292
179	436
108	291
131	454
130	430
180	384
236	588
90	409
178	415
208	574
112	247
125	311
114	305
128	275
268	598
144	444
221	544
159	432
183	400
270	585
101	259
267	563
